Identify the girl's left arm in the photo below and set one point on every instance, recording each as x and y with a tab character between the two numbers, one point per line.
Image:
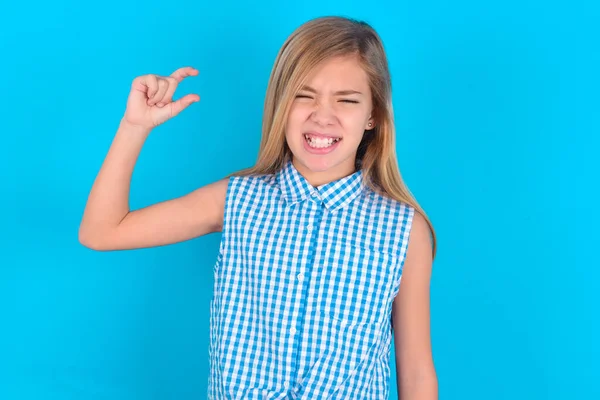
415	372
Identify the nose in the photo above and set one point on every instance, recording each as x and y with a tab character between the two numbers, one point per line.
323	113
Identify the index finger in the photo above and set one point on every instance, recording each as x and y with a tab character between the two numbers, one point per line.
183	73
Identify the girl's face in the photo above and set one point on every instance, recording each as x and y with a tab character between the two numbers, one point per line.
327	120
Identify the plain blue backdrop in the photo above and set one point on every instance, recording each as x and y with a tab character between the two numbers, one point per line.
497	109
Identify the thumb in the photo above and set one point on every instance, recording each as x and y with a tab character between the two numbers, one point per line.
178	106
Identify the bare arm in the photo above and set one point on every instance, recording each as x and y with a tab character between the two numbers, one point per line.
415	372
107	222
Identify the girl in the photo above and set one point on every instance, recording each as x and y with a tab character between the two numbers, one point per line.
315	236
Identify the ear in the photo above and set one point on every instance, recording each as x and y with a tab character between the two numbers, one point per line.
370	124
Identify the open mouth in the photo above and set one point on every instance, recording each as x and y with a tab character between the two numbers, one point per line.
320	143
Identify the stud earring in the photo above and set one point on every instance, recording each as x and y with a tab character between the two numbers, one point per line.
370	124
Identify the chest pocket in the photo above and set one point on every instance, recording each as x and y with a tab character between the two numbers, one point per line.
355	283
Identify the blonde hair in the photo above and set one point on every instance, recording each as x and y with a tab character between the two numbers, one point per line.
312	43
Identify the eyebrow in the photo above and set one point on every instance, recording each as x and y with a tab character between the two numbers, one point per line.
338	93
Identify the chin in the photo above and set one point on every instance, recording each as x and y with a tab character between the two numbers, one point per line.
319	165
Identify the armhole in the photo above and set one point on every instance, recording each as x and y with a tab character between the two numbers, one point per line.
408	213
226	222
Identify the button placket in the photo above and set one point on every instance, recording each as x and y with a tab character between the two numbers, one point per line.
311	233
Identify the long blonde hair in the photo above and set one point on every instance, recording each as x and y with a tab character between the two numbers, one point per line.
310	44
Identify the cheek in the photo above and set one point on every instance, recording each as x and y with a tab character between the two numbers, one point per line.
293	126
295	119
354	122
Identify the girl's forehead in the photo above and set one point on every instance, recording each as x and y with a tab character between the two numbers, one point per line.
338	85
336	72
339	63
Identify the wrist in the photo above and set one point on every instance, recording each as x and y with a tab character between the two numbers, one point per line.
136	129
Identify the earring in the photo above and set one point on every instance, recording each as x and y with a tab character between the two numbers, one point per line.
370	124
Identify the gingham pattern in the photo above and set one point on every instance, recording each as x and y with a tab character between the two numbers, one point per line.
304	284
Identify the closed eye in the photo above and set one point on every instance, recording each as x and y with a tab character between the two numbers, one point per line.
304	96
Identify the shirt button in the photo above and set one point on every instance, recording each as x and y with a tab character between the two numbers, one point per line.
309	228
293	331
286	384
300	277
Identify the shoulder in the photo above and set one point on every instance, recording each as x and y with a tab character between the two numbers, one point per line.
253	181
243	189
419	244
411	227
417	235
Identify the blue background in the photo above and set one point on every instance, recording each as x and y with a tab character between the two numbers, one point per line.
498	122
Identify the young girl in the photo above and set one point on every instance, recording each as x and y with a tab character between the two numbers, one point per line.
315	237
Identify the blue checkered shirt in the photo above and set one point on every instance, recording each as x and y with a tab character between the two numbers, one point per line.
303	289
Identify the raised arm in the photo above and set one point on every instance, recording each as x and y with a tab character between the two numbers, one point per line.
107	222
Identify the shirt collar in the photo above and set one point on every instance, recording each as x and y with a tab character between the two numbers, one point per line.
336	194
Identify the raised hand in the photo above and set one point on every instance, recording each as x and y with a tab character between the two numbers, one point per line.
150	101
